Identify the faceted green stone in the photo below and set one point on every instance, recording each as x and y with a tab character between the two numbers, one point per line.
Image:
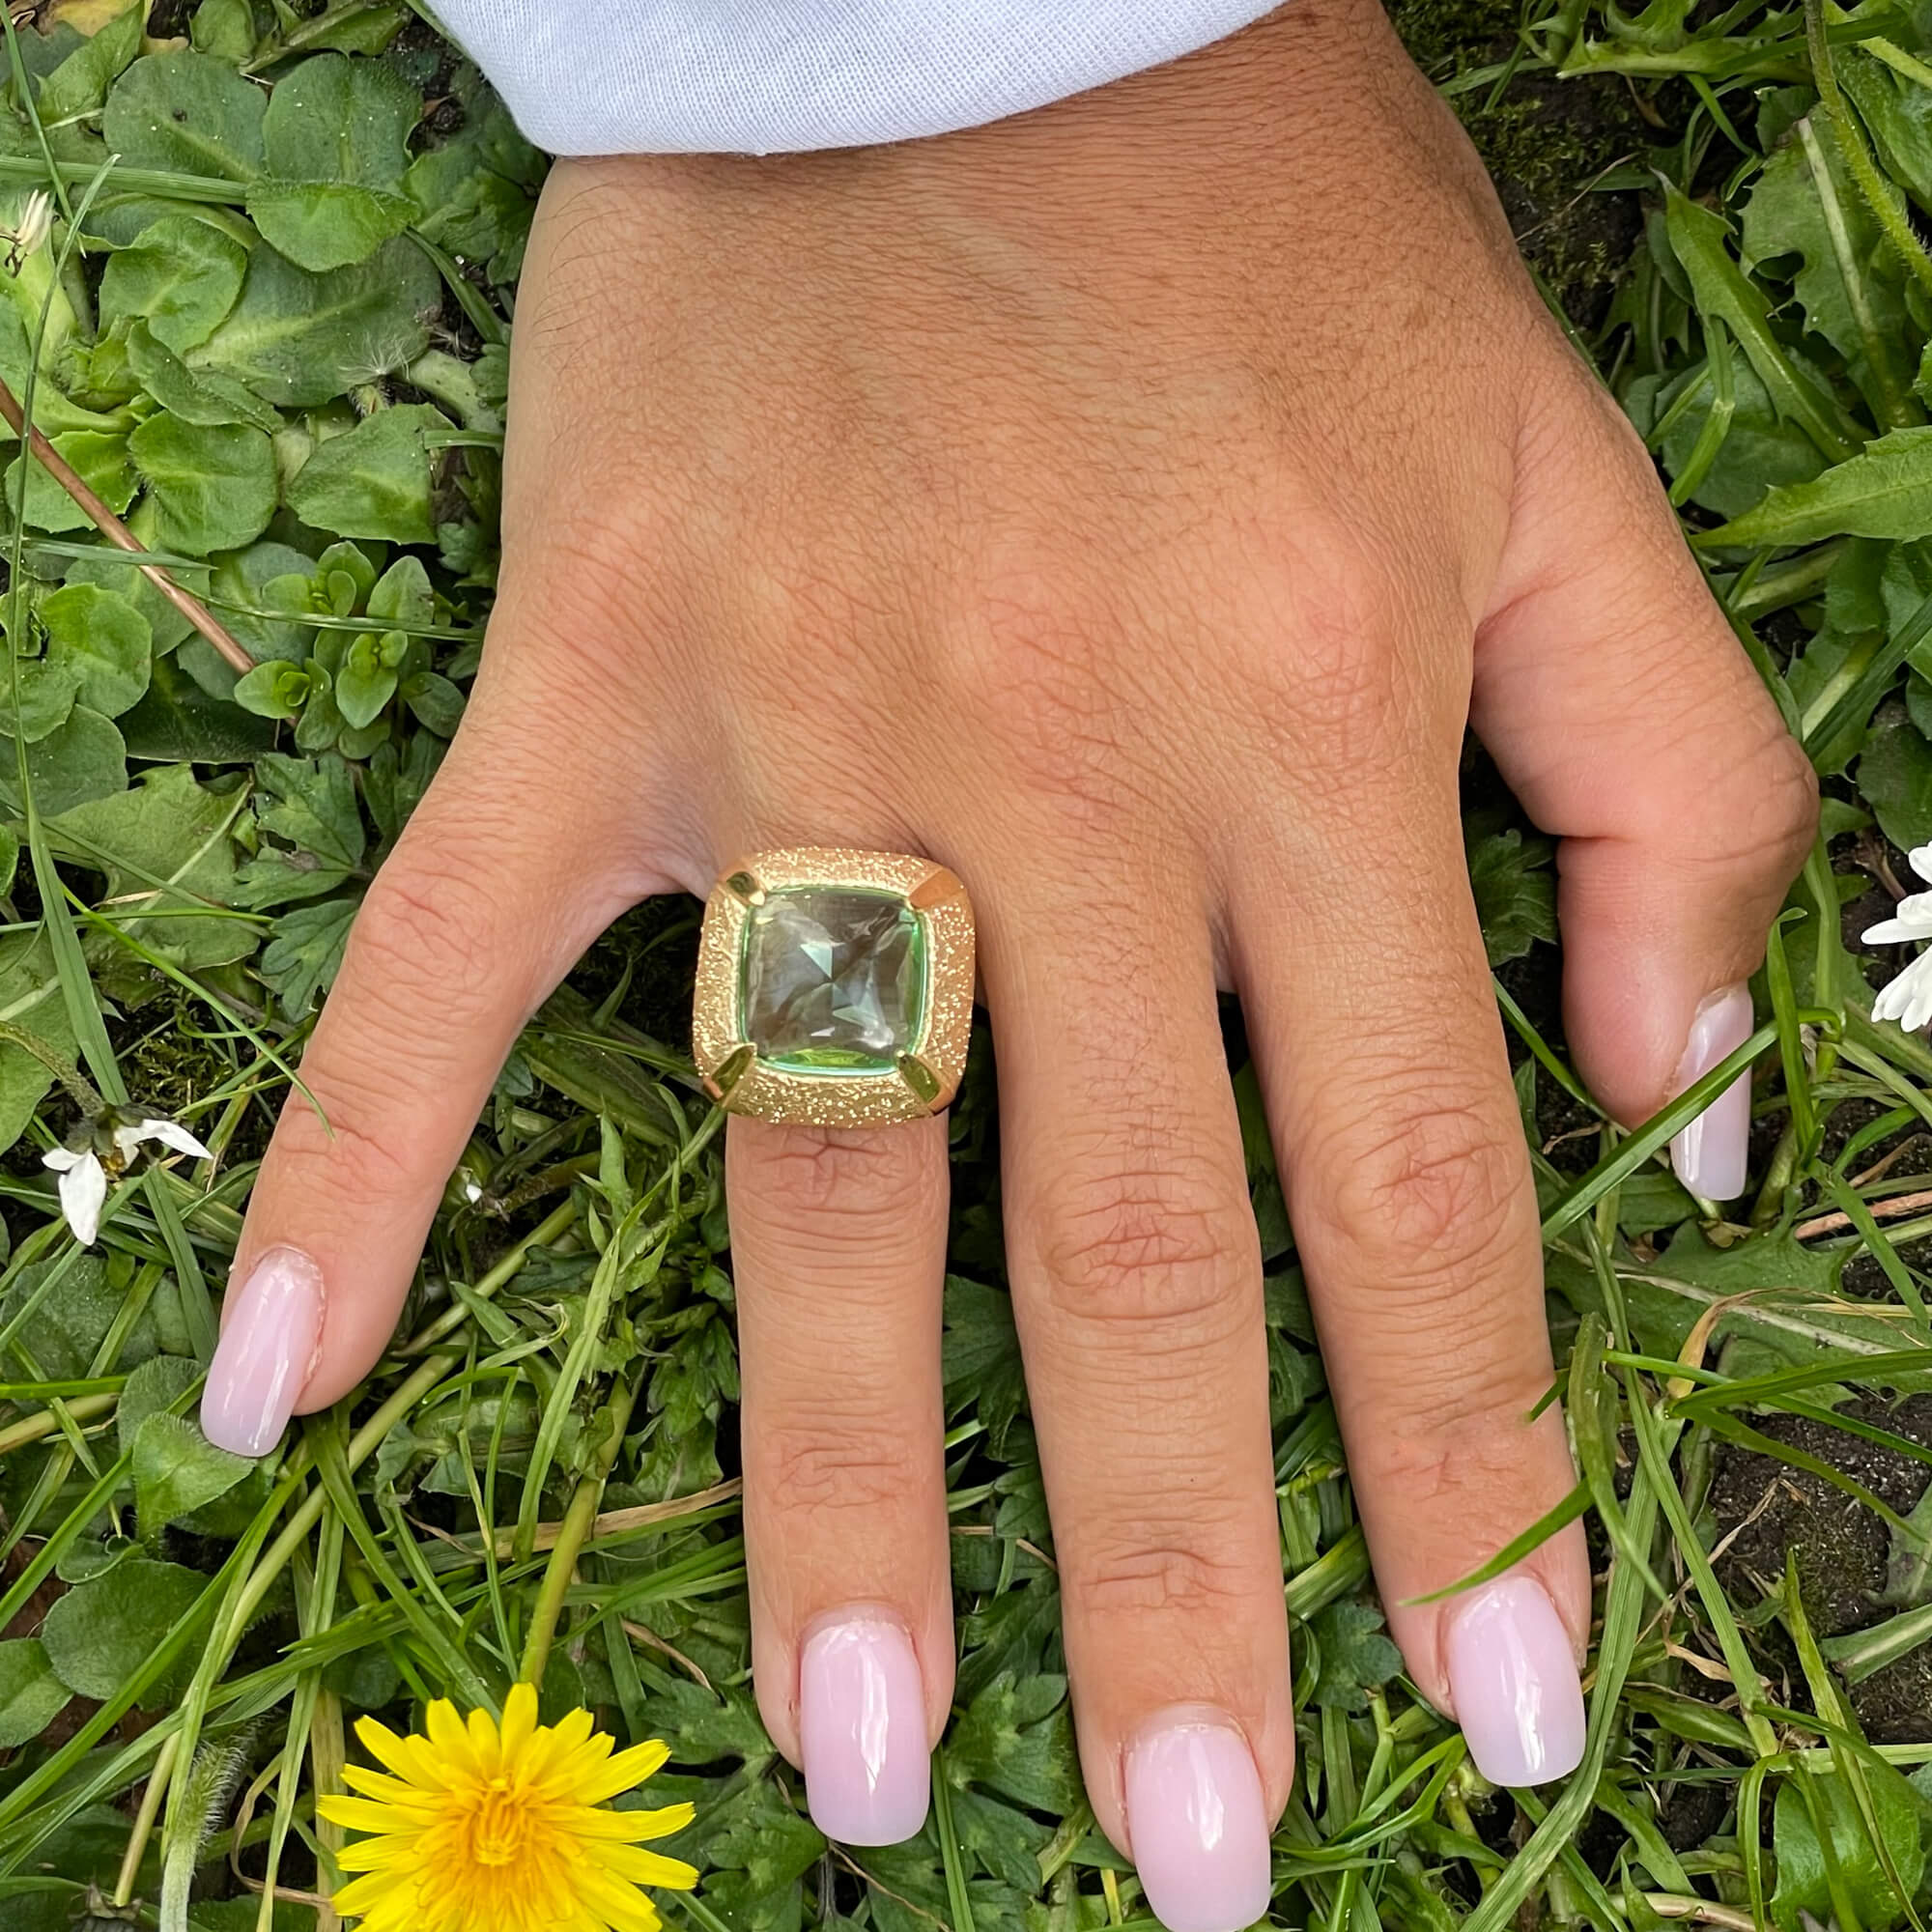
833	978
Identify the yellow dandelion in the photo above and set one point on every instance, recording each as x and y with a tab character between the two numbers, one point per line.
483	1830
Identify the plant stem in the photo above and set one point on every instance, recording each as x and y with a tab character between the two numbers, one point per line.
44	1422
571	1537
121	536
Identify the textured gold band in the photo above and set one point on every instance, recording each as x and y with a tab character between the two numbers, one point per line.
765	1065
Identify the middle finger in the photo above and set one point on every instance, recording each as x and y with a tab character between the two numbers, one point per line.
1137	1286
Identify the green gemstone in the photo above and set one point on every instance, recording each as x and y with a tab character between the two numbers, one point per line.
833	980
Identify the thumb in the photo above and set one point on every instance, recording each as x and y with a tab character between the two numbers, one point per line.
504	876
1621	708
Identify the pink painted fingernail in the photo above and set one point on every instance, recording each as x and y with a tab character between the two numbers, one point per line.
1710	1153
1513	1676
862	1726
266	1354
1198	1827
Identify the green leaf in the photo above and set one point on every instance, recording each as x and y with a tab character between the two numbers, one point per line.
365	683
156	1385
336	138
47	693
1357	1656
264	577
185	113
1515	891
1700	240
332	119
102	1631
86	758
298	339
1897	113
1895	777
31	1696
982	1358
176	1470
205	398
375	481
1885	490
179	721
1908	1576
180	275
435	702
277	688
304	957
213	485
477	192
327	224
167	829
311	804
31	998
1016	1738
1847	279
322	225
99	459
402	595
224	29
1803	1884
102	641
1759	449
79	84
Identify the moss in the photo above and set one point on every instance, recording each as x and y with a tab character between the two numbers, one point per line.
167	1059
1543	142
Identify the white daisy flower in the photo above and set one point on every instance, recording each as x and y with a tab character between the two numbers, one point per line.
83	1175
83	1190
35	224
1908	998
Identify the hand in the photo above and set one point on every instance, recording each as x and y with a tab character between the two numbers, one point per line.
1127	505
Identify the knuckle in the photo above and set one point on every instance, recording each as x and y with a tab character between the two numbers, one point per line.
425	919
1450	1439
827	1462
344	1136
1168	1244
1783	810
1336	691
807	1173
1425	1188
1164	1576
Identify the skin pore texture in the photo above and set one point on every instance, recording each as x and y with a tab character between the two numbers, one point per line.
1128	506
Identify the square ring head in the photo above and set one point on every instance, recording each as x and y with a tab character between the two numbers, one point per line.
834	987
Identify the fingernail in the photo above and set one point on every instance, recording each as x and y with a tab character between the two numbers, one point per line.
266	1353
861	1726
1198	1827
1709	1154
1513	1676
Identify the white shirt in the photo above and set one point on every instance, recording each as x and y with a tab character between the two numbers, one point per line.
765	76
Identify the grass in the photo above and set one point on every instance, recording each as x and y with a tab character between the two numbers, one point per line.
540	1473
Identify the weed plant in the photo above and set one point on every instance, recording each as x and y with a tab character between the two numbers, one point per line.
281	357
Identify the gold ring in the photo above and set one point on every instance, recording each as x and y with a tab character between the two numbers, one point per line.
834	988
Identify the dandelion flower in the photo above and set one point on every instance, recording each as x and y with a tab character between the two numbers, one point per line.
84	1175
1908	999
488	1829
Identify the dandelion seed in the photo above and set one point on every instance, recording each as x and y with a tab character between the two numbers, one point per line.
1908	998
489	1829
35	224
84	1173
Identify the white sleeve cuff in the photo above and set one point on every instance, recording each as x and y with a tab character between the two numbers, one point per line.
765	76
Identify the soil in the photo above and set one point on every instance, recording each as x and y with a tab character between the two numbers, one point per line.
1544	146
1842	1548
